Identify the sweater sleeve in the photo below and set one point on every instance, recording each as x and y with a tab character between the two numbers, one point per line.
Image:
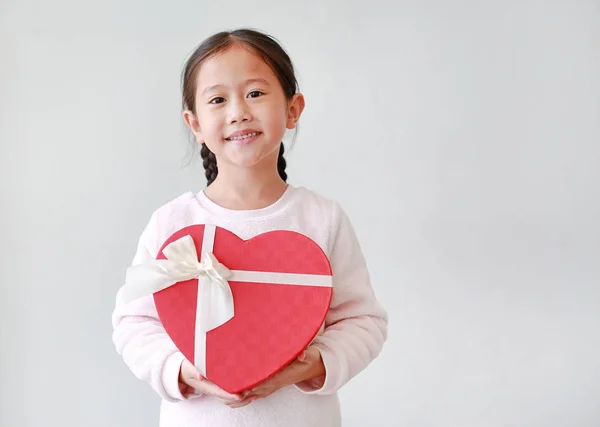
141	339
356	325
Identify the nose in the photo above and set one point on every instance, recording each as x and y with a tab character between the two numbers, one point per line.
239	111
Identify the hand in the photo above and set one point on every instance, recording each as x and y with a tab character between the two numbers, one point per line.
307	366
192	382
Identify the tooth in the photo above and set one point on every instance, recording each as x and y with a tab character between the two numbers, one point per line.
248	135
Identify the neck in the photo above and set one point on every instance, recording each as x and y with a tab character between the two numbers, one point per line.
242	188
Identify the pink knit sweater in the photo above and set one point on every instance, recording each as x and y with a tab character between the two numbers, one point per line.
353	334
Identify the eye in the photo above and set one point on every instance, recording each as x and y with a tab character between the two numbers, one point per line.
255	94
217	100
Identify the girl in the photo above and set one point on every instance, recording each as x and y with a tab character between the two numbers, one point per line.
239	97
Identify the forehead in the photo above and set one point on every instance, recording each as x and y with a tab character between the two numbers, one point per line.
236	64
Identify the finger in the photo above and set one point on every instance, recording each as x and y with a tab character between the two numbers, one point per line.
241	404
302	356
261	394
186	391
319	382
237	405
272	383
260	389
219	392
247	395
263	390
211	388
230	402
280	379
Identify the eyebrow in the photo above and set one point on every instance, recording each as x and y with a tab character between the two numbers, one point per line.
245	83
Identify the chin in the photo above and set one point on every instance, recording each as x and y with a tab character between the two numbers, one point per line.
250	159
244	162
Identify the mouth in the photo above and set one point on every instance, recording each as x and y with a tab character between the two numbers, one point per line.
241	136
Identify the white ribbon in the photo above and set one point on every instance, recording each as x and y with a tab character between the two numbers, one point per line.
214	305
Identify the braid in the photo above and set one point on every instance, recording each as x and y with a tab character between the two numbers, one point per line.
210	164
281	163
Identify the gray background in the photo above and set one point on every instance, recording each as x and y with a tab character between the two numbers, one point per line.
461	137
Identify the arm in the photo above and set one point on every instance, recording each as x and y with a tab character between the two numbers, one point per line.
356	324
142	341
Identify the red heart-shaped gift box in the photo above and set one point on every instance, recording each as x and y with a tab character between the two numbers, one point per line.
273	322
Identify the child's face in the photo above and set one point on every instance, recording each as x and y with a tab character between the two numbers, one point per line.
238	94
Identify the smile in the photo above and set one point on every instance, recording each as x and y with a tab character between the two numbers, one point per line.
243	137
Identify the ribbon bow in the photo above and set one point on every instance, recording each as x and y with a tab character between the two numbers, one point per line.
214	293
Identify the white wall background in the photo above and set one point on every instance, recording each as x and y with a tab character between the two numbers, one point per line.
463	138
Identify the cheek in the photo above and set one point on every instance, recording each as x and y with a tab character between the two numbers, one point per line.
210	123
277	115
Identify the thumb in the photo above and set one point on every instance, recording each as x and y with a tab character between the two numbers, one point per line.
302	356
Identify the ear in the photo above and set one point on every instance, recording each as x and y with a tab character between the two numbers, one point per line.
192	121
295	108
